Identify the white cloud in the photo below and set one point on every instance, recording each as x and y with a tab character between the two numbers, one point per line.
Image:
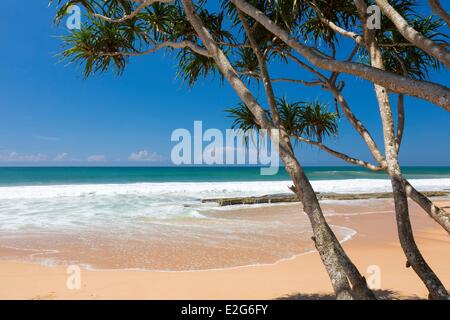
48	138
17	157
145	156
96	158
61	156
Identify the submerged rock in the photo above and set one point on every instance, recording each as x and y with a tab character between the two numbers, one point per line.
278	198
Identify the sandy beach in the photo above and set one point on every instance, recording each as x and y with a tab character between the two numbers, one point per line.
165	150
374	247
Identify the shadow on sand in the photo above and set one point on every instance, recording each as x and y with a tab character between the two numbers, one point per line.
381	295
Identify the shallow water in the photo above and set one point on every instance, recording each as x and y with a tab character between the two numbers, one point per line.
217	240
161	225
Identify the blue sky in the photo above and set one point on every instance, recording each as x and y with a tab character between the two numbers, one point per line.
50	115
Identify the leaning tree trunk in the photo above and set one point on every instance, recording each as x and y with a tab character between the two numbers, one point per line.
413	255
414	258
438	214
324	238
405	234
339	266
413	36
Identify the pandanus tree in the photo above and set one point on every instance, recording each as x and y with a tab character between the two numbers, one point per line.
240	51
387	50
412	253
398	57
325	22
117	30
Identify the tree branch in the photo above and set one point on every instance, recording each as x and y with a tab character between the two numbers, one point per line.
233	45
335	75
176	45
142	6
304	65
352	35
435	93
359	127
225	66
264	72
303	82
440	11
435	212
340	155
273	80
413	35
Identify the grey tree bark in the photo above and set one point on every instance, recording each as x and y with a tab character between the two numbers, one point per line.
438	214
406	237
413	255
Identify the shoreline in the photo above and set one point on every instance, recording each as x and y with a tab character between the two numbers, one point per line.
300	277
262	264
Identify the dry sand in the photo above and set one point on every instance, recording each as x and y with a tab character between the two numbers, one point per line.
302	277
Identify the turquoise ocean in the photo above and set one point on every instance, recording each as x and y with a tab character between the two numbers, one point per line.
50	195
125	211
22	176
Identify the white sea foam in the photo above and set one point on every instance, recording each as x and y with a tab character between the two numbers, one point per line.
76	207
196	190
95	216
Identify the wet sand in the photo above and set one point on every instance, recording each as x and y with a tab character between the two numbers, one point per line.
374	247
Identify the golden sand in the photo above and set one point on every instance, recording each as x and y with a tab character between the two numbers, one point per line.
374	247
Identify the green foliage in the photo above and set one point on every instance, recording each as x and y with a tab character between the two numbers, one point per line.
247	62
193	66
404	59
101	46
290	113
310	120
286	13
243	118
316	122
162	19
96	46
341	12
410	60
